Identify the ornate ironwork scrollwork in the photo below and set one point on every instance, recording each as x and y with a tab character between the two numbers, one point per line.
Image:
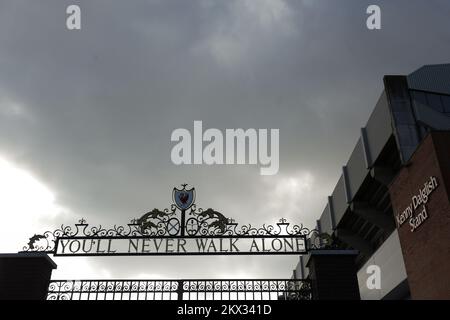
192	289
182	218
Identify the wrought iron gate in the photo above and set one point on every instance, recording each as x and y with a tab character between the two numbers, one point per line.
189	289
182	229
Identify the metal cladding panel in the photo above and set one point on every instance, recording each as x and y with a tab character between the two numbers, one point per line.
434	78
432	118
301	271
298	272
405	126
430	109
356	169
379	128
389	259
339	200
325	221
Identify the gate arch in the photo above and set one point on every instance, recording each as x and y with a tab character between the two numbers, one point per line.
186	230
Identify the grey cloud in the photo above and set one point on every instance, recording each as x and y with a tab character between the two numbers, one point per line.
98	105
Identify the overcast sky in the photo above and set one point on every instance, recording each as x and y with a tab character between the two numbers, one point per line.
86	116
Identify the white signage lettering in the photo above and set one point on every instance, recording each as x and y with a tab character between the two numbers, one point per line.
180	245
418	202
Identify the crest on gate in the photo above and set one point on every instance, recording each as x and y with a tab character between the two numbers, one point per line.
184	198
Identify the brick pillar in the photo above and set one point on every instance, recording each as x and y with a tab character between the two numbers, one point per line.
25	276
333	274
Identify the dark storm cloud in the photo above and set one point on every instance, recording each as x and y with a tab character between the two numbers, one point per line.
90	112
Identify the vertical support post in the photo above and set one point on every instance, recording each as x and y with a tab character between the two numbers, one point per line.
25	276
180	290
333	274
183	222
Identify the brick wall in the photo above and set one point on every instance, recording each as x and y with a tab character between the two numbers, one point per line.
426	251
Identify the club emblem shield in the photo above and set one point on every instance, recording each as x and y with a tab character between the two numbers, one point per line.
183	199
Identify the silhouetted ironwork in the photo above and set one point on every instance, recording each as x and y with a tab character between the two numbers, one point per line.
192	222
189	289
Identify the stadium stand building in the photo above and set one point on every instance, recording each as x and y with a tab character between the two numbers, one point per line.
391	202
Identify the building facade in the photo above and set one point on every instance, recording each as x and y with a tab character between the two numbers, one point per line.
391	202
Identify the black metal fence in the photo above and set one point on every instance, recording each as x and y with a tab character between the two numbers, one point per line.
189	289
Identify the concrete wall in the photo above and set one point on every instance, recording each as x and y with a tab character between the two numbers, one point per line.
390	260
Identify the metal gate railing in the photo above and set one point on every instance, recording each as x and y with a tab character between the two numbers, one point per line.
187	289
